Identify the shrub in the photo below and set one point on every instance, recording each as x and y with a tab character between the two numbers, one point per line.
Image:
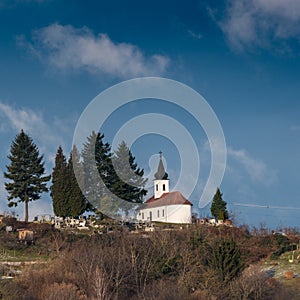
254	284
61	291
225	260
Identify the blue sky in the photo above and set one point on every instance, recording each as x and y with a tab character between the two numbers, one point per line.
242	56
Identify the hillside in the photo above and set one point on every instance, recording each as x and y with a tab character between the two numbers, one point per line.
194	262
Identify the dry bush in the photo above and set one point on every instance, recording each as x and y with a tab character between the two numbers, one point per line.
89	272
254	284
31	284
163	290
200	295
160	265
97	267
58	241
36	279
61	291
101	285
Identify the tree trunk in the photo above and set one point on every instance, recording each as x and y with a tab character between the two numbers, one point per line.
26	211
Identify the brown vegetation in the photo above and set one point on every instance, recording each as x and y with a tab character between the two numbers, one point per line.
289	274
199	262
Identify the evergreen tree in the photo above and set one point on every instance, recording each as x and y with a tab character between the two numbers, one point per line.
103	159
218	207
76	199
129	182
25	172
225	259
97	161
68	200
60	186
77	166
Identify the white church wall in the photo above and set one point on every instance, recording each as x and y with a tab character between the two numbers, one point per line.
168	214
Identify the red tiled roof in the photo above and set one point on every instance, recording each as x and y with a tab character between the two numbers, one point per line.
172	198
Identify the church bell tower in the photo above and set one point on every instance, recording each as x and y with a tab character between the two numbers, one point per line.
161	181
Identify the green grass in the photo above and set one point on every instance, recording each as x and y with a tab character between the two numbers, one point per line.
21	255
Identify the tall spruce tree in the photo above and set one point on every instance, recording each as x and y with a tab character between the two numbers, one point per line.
76	199
224	257
60	185
129	182
25	172
67	198
218	207
97	162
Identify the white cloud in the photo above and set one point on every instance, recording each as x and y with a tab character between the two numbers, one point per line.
48	135
69	48
256	169
261	22
197	36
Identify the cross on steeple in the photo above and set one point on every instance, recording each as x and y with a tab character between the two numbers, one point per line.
160	154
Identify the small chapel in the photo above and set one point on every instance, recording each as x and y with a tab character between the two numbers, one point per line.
165	206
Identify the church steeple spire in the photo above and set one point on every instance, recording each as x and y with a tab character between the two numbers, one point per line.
161	181
161	174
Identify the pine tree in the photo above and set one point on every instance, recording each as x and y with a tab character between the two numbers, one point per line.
129	182
218	206
60	185
25	172
77	166
225	259
76	199
97	162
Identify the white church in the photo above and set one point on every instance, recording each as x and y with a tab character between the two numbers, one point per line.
165	206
